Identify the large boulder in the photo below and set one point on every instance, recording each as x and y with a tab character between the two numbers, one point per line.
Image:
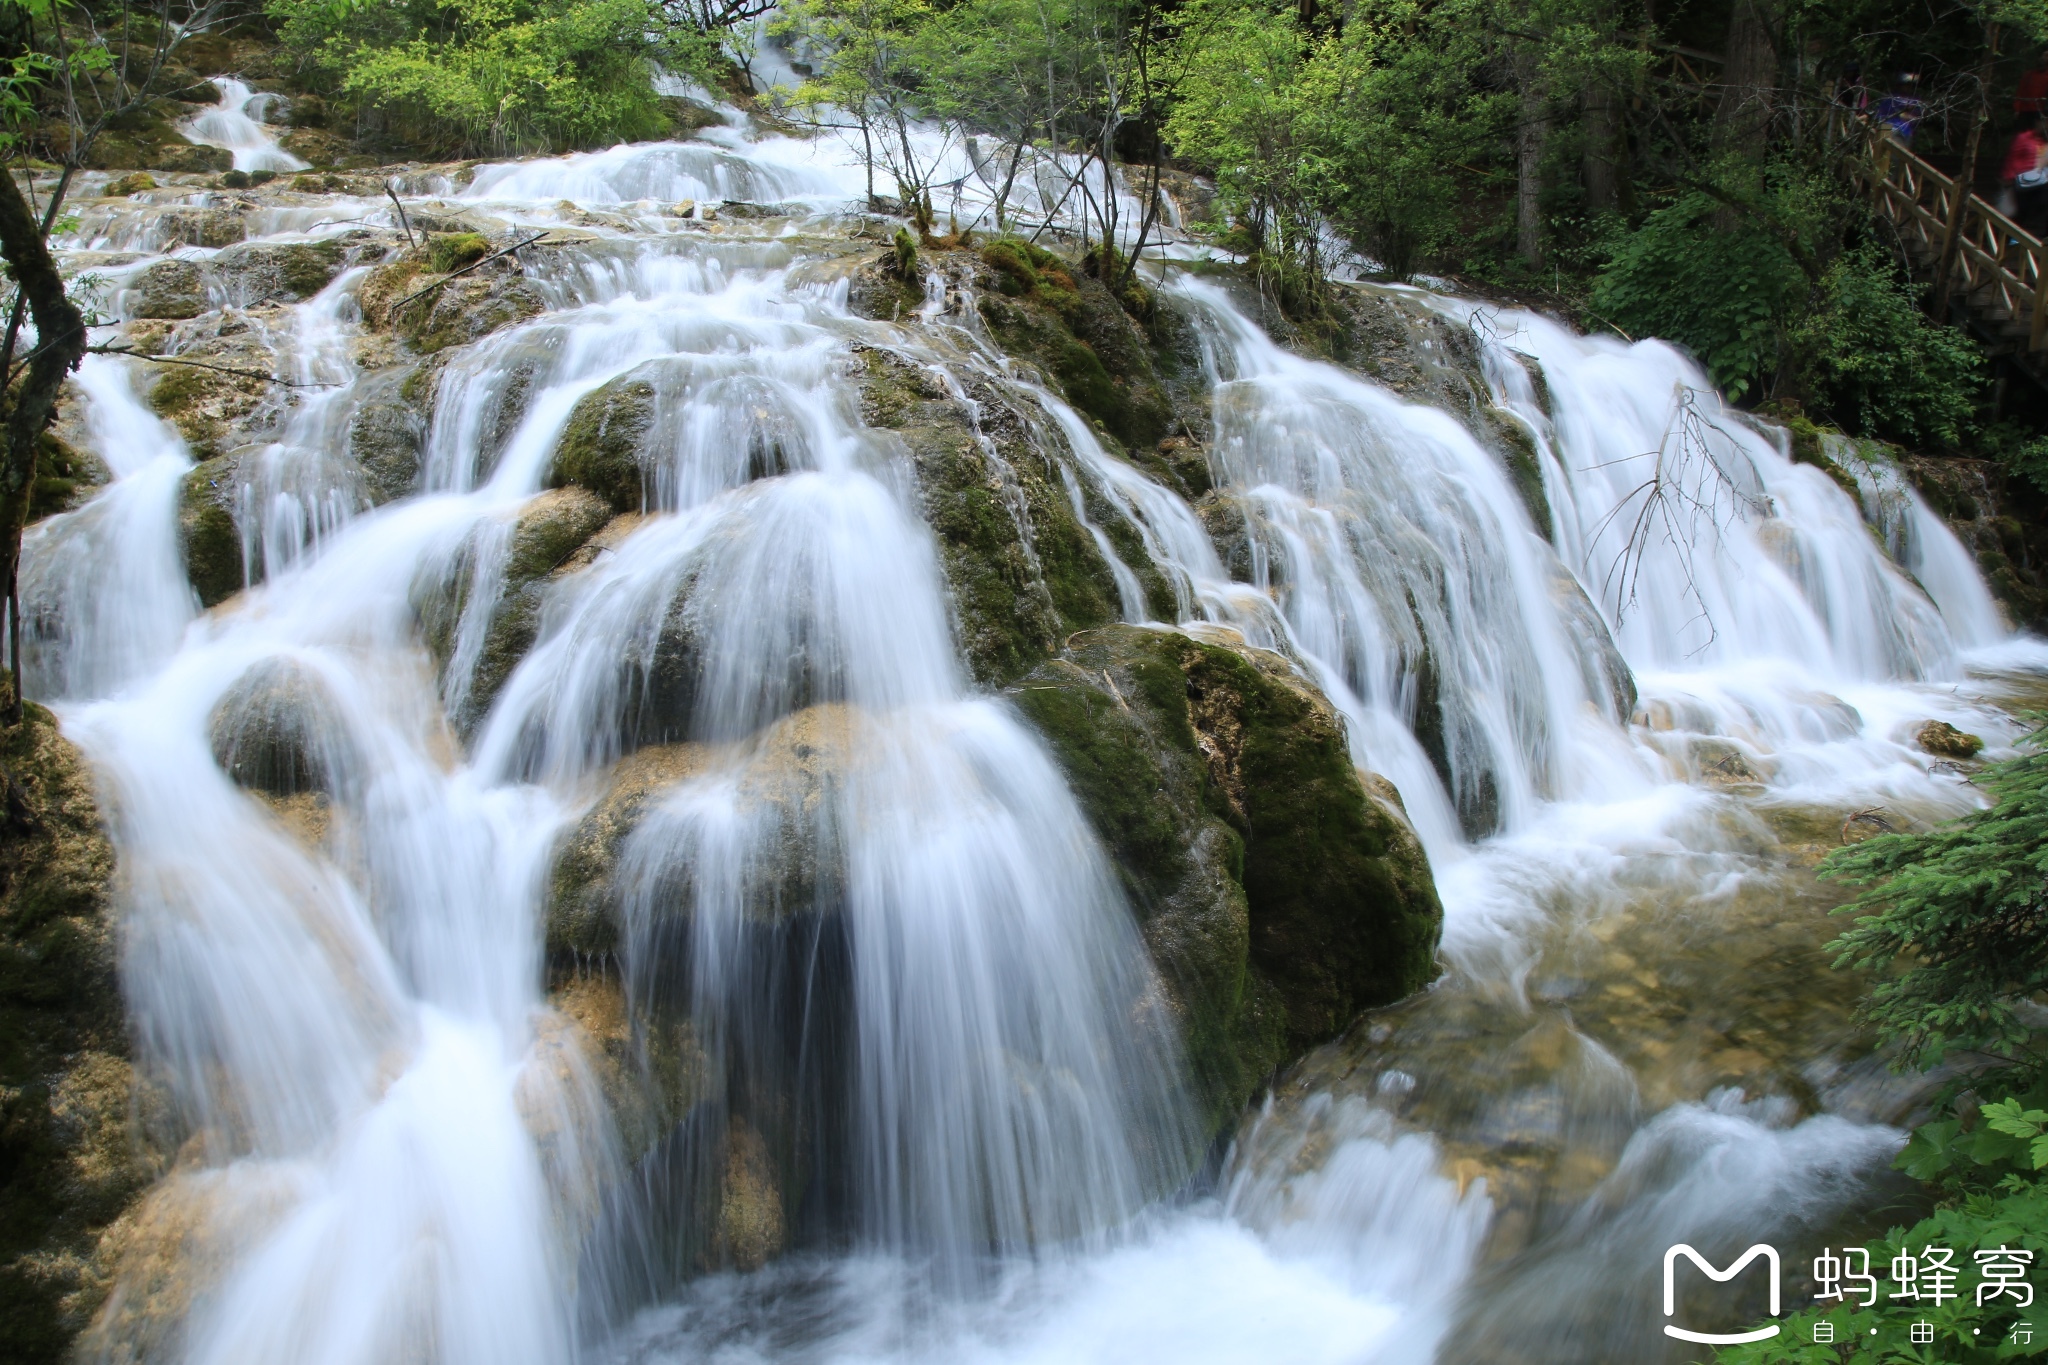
601	446
171	289
73	1154
1279	893
276	731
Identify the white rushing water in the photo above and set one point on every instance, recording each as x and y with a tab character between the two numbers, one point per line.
403	1157
237	125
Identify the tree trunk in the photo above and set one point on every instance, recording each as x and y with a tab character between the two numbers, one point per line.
1749	77
1531	133
1597	108
31	405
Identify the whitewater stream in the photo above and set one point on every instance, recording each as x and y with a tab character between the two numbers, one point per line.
389	1152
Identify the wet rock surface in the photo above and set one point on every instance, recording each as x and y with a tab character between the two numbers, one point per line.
1021	569
1279	897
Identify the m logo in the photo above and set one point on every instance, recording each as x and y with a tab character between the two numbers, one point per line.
1671	1256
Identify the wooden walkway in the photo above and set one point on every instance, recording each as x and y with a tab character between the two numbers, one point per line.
2000	279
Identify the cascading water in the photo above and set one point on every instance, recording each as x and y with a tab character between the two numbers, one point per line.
861	913
237	127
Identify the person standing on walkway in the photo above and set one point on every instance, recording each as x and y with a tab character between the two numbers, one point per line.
1901	110
2025	175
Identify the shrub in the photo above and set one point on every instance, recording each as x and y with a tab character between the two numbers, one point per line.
1724	294
1877	364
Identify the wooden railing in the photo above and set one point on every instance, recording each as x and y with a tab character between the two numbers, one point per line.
2000	271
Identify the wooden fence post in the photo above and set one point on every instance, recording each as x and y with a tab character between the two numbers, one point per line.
2037	333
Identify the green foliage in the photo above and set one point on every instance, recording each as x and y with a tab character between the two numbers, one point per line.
1877	364
497	75
2012	1212
2029	1125
1369	128
1958	917
2020	452
1724	293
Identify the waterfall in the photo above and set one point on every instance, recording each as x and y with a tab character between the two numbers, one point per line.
102	590
862	921
236	125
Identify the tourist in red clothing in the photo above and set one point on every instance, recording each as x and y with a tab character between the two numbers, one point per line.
2032	96
2025	173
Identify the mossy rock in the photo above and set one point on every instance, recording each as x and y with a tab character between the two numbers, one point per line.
688	117
433	312
550	529
452	251
276	731
1022	571
317	146
601	446
1278	896
208	400
189	158
1808	445
259	273
202	227
541	548
66	477
1943	740
2002	521
387	434
120	187
787	773
173	290
209	538
1050	313
73	1155
1511	441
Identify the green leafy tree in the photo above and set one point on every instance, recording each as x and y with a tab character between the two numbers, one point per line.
499	76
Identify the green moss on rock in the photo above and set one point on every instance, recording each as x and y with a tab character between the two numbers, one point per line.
1278	897
225	383
71	1154
601	446
208	535
1022	571
258	273
66	476
454	250
396	297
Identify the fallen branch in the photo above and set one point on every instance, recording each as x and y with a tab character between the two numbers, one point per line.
403	221
458	274
205	365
